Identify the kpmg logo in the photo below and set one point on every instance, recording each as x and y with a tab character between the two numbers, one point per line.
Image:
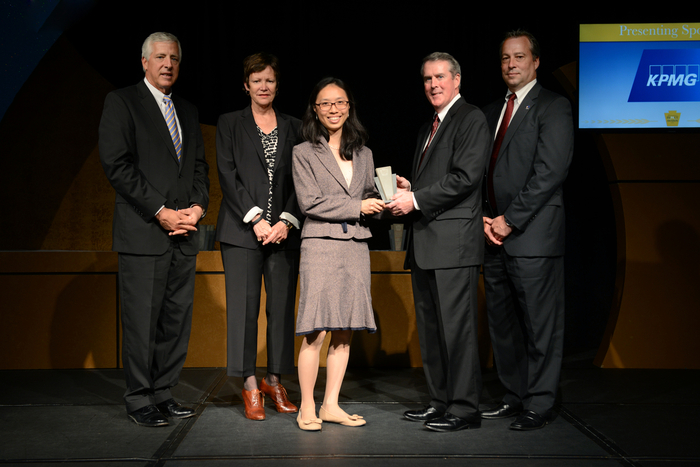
667	76
673	75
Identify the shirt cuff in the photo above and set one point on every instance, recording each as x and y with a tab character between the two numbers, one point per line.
252	213
289	217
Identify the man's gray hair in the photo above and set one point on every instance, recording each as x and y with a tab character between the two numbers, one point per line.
455	69
147	47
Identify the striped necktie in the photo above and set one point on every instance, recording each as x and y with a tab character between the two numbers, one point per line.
172	126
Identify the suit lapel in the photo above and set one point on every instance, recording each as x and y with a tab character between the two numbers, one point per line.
358	168
282	129
523	109
423	136
327	158
438	135
492	119
252	130
153	111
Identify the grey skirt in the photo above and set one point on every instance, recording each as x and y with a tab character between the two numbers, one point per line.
335	284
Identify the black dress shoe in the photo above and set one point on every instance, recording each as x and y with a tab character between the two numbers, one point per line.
450	422
148	416
502	411
423	415
529	420
173	409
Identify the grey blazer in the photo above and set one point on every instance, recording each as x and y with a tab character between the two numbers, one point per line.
323	195
531	167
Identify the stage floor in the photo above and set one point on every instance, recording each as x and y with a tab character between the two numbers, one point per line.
605	418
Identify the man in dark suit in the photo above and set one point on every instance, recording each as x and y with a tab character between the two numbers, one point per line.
524	229
152	152
445	249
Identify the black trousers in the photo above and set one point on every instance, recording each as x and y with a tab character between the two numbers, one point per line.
156	313
446	318
525	306
245	269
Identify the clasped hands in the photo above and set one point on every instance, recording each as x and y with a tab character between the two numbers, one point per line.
180	222
496	230
266	233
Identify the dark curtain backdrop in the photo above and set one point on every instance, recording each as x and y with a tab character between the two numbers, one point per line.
377	49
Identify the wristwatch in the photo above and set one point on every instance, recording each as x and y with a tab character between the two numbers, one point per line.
288	224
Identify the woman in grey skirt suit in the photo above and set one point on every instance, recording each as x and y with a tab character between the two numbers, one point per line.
334	181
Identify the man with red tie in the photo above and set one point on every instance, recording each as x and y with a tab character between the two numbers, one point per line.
445	249
524	229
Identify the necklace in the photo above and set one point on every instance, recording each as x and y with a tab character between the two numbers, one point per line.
333	147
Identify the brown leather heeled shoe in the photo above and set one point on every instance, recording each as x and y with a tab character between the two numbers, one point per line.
254	404
279	396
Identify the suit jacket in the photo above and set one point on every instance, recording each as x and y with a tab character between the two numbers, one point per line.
244	179
324	196
447	187
531	167
139	159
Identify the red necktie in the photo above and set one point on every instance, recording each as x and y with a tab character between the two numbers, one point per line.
436	122
496	148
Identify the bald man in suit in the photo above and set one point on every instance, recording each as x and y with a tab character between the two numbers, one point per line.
524	229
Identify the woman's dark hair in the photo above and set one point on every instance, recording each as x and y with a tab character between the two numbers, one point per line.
258	62
354	134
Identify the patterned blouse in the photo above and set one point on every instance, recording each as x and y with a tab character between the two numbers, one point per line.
269	144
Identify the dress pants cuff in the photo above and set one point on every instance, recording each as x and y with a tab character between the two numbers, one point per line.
282	371
439	406
142	402
162	396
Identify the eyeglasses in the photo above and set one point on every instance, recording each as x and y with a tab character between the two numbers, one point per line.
326	106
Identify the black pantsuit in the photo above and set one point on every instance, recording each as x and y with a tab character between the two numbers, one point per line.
245	185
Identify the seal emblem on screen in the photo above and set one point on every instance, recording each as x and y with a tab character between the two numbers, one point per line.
667	76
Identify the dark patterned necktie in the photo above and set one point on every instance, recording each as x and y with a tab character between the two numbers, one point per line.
436	123
497	147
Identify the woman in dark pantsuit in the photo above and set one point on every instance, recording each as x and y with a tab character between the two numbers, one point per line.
258	229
